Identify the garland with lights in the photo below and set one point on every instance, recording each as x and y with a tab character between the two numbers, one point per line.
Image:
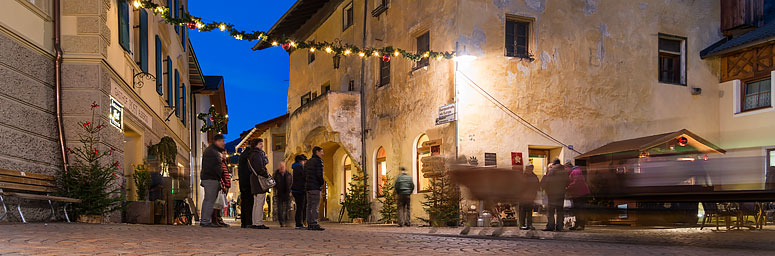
336	48
212	121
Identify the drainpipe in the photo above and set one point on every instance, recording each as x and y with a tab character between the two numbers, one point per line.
58	80
364	168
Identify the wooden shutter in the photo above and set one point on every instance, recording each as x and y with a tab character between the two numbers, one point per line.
159	72
123	25
175	15
183	99
144	40
423	45
741	14
384	73
177	93
169	82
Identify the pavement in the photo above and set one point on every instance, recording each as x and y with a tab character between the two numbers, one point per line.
350	239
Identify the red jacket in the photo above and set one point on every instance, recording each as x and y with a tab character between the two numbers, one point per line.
578	184
226	177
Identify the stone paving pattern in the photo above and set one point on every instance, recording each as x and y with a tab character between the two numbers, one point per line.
338	239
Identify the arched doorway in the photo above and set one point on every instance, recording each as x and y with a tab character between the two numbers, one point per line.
422	183
380	171
347	169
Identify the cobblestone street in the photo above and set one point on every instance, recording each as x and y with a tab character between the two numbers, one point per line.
114	239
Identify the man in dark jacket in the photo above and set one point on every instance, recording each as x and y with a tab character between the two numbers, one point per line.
527	198
243	170
211	178
313	170
257	161
404	187
282	193
554	184
298	190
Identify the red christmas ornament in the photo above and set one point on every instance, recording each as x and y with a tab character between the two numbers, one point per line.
286	46
211	119
386	58
191	25
682	141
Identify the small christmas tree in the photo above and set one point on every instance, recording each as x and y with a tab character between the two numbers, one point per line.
443	202
88	178
356	201
389	209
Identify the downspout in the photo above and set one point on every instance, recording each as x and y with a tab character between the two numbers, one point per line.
58	80
364	168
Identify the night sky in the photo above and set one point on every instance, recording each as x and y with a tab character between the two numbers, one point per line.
256	81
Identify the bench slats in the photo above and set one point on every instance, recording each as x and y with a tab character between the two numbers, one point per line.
26	181
15	186
26	174
42	197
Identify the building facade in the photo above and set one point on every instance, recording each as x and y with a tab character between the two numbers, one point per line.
125	59
550	79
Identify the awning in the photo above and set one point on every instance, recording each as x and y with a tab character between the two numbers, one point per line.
648	142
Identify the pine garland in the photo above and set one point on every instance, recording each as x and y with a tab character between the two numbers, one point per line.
389	209
337	48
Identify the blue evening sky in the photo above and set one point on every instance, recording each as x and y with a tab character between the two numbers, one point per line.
256	81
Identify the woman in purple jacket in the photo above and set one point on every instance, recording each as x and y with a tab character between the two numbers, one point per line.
579	193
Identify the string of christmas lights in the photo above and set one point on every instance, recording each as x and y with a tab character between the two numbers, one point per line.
335	48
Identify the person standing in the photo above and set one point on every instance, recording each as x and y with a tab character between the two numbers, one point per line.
220	202
528	197
298	190
211	175
404	188
579	195
282	192
246	194
257	164
554	184
313	170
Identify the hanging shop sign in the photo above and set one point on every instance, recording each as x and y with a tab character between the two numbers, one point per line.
130	104
516	158
116	114
490	159
447	114
432	166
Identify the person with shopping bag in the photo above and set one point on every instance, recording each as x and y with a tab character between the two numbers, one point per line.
260	181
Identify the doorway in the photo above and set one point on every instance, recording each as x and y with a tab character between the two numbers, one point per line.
133	155
769	172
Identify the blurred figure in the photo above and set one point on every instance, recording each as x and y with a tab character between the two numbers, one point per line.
554	184
282	193
246	195
579	194
298	190
313	169
220	202
404	188
257	161
211	174
528	196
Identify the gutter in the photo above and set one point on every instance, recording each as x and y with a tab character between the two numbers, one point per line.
364	168
58	79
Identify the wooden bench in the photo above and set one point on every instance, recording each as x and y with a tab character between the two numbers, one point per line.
30	186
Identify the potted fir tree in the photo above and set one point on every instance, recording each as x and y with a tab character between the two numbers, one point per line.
141	211
389	209
356	201
90	176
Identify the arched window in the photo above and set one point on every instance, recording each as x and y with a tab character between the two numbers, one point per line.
422	182
348	173
381	170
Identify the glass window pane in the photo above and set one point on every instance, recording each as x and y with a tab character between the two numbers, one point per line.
750	103
764	99
764	85
670	45
752	88
772	158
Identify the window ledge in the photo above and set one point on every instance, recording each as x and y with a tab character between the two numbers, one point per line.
679	84
419	68
754	111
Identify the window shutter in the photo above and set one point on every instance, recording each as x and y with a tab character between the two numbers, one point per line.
510	42
123	25
175	15
169	81
159	68
183	37
177	93
183	99
144	40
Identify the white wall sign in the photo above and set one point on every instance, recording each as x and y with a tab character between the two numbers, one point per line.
130	105
447	114
116	114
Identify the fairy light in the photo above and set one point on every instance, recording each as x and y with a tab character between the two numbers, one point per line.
396	53
137	4
292	44
426	54
222	27
199	25
361	54
375	53
238	37
329	50
312	49
159	9
274	43
347	52
438	57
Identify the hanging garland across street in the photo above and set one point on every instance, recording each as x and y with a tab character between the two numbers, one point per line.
336	48
212	121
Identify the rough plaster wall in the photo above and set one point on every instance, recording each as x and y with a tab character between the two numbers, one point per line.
594	77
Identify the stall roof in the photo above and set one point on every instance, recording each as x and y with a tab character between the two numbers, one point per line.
644	143
260	129
297	18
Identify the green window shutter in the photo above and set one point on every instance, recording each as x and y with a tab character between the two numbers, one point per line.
159	68
123	25
144	40
177	93
169	82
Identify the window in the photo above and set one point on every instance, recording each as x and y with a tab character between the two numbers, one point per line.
123	25
143	40
756	95
381	168
43	5
169	82
175	11
305	98
351	86
422	182
314	95
278	141
382	7
348	173
671	60
423	46
347	16
310	57
325	89
159	72
183	104
177	93
517	38
384	73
